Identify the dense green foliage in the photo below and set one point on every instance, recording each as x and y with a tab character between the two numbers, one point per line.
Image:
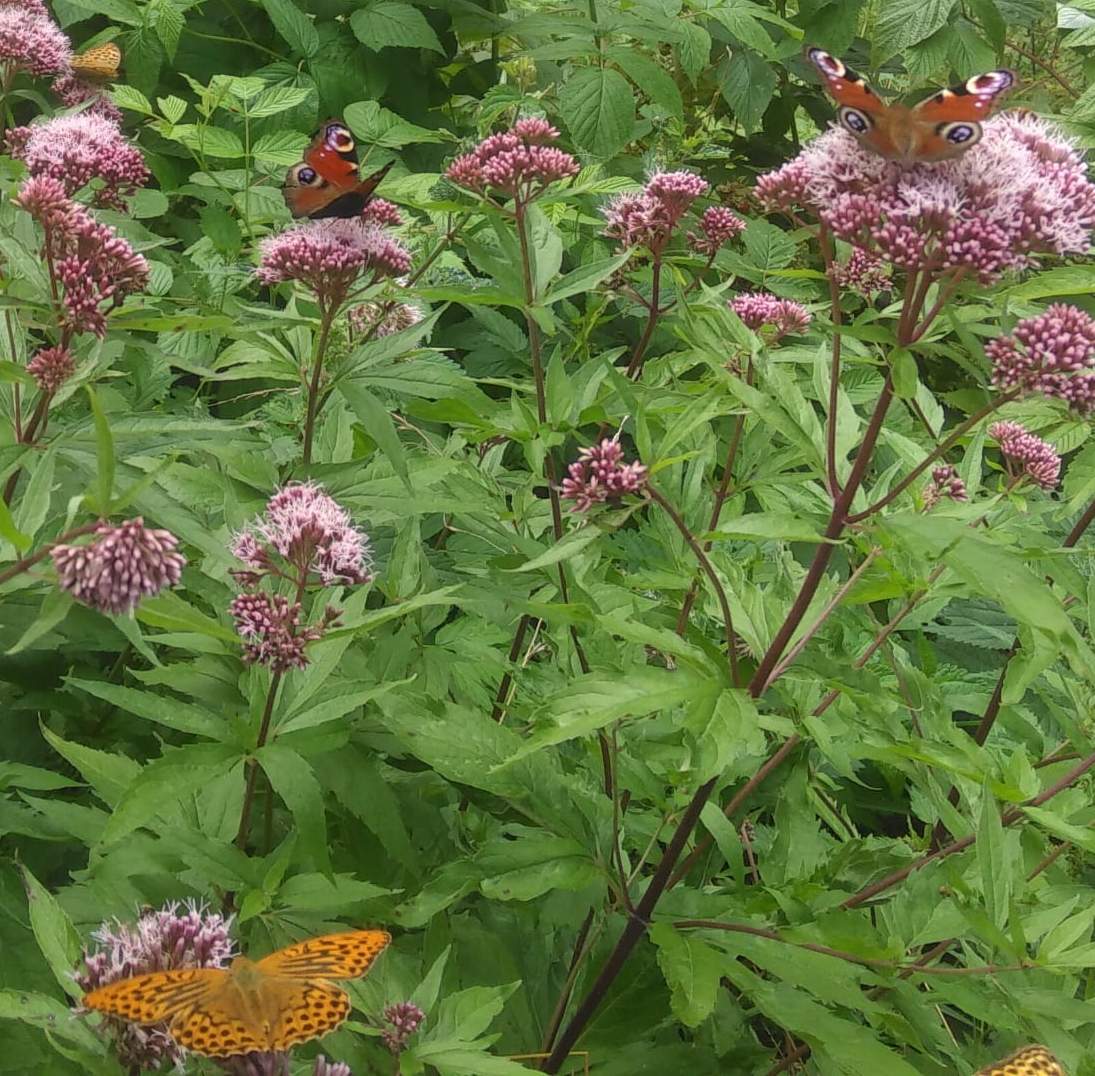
776	760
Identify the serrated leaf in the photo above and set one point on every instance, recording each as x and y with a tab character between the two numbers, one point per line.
389	24
598	109
294	780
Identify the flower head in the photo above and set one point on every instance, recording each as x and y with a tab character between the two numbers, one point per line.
650	217
387	317
1052	353
323	1067
382	212
717	226
761	308
31	41
160	941
945	483
599	474
271	626
309	532
329	256
863	272
119	566
78	148
1019	192
405	1018
520	162
52	367
1028	457
73	91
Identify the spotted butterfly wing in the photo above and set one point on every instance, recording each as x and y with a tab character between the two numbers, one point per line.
941	126
101	63
327	182
1029	1061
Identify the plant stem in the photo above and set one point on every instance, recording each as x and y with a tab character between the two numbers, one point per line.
328	310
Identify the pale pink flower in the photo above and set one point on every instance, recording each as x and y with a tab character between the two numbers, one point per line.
520	162
1027	456
382	212
863	272
1052	353
651	217
760	308
31	41
270	624
73	91
160	941
51	367
717	226
78	148
1019	192
599	474
119	566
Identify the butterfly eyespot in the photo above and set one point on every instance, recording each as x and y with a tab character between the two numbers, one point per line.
959	134
859	123
302	175
825	62
991	82
338	137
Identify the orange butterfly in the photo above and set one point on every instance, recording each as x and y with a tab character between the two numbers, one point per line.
1029	1061
327	182
941	126
266	1005
100	63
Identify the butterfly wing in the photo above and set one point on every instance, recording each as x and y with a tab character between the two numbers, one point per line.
1029	1061
950	119
216	1031
156	997
860	110
311	1010
347	955
326	183
101	62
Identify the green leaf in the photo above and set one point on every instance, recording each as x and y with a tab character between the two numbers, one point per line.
104	451
53	930
294	780
748	84
388	24
109	775
906	22
585	278
693	971
995	860
378	423
597	106
649	78
161	710
298	31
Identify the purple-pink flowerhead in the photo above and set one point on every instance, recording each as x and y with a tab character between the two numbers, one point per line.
78	148
330	255
600	474
1020	192
717	226
270	625
31	41
404	1019
944	483
73	91
1027	457
306	536
1052	353
119	566
160	941
520	162
383	318
51	367
650	218
760	308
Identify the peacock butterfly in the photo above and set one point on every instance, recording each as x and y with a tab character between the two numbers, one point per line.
327	182
941	126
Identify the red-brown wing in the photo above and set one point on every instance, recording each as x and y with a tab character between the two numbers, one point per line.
308	194
970	100
861	111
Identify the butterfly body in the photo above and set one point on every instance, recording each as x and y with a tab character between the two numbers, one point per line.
255	1005
327	182
941	126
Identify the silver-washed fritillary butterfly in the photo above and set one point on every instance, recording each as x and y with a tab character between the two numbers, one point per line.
269	1004
101	62
1029	1061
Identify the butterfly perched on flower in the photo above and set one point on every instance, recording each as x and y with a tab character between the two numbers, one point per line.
1029	1061
100	64
327	182
941	126
254	1005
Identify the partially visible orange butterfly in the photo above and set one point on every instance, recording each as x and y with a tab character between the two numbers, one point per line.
327	182
267	1005
941	126
1029	1061
100	63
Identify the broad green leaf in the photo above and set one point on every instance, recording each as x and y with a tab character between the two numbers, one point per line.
53	930
295	28
385	24
598	108
294	780
692	969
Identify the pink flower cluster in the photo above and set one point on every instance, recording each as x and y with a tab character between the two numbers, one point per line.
51	367
119	566
73	91
520	162
718	225
650	217
405	1019
305	538
599	474
329	256
1027	456
863	272
1021	191
383	318
160	941
78	148
93	264
945	483
762	308
30	40
1052	353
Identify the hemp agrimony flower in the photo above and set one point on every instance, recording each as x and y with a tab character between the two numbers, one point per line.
599	474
